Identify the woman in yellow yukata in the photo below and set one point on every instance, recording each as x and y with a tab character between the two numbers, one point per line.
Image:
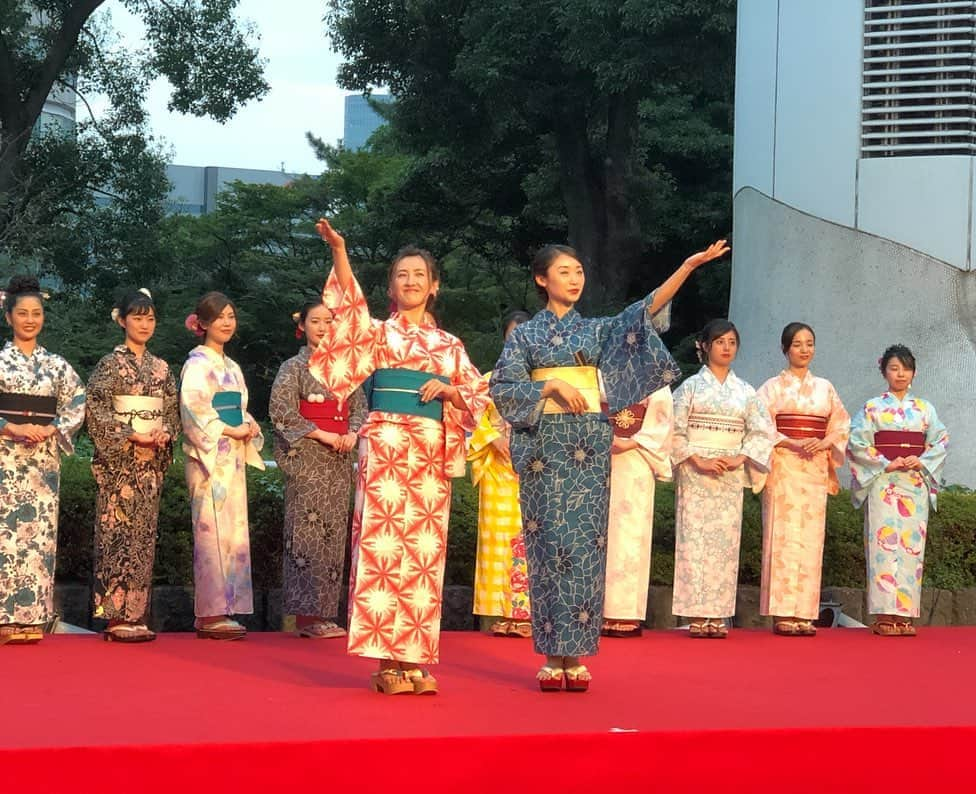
501	582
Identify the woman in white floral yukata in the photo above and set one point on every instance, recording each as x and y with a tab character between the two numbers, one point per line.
42	405
220	439
723	438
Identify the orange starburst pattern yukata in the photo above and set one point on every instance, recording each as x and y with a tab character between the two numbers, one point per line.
405	469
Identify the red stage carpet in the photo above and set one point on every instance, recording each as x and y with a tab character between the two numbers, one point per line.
845	710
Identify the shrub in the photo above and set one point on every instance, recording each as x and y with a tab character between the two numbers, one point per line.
950	554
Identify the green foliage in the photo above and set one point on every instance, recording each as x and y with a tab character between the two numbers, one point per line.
462	536
602	122
83	205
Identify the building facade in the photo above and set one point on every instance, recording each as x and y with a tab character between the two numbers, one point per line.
361	120
855	194
194	189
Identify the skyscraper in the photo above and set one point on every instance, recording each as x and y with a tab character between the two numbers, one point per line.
361	120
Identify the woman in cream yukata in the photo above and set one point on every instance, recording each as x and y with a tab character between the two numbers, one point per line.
501	580
426	394
133	414
546	384
811	439
896	478
30	463
723	438
638	458
217	452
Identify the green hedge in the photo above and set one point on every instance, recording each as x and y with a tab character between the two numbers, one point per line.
950	554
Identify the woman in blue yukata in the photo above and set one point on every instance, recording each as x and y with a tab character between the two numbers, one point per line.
546	386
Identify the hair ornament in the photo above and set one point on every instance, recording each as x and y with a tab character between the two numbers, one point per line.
296	317
192	323
146	292
46	295
3	298
115	314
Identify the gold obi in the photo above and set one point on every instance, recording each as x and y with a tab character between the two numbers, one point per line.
584	379
716	431
142	414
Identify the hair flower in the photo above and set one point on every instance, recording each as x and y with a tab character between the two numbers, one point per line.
146	292
115	314
192	324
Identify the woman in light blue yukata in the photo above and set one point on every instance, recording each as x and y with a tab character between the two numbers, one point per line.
897	451
546	386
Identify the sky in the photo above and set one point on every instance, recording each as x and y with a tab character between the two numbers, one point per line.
269	134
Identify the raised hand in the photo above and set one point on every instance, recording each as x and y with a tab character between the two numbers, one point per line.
330	235
714	251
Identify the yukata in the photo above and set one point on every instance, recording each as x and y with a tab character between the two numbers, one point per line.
896	504
318	488
129	479
712	420
632	476
406	463
563	460
501	581
30	475
794	501
215	478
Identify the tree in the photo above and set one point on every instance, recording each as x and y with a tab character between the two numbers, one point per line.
515	90
46	179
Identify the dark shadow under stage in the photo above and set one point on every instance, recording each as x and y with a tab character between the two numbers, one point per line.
845	710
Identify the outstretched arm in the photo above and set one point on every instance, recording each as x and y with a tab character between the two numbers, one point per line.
340	259
666	292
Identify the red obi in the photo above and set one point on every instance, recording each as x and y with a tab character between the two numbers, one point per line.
326	415
899	443
628	421
802	426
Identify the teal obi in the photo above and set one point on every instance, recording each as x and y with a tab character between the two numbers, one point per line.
227	404
398	391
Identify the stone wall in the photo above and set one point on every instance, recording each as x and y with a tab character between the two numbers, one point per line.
861	293
173	607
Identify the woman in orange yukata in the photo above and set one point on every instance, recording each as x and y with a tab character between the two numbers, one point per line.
425	395
811	439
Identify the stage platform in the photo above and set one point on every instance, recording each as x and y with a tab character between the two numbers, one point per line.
845	711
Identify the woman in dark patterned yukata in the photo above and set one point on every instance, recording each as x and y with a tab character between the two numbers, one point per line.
546	385
315	439
133	414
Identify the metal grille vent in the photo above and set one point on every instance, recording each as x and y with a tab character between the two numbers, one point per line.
919	78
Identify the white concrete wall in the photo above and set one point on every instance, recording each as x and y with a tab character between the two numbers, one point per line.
922	202
860	293
755	94
818	106
797	133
